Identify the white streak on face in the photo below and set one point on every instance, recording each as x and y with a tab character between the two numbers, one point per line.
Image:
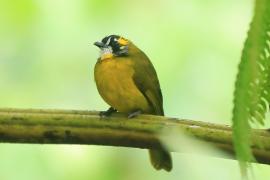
115	39
108	41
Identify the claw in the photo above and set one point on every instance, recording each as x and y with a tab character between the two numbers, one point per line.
134	114
107	113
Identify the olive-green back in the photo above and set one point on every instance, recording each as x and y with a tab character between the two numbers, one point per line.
145	78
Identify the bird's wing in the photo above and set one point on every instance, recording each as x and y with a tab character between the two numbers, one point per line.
145	78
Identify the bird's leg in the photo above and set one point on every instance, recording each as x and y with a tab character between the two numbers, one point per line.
134	113
107	113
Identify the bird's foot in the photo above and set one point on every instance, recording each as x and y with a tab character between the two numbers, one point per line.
134	114
107	113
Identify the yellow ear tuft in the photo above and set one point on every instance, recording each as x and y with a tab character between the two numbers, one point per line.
122	41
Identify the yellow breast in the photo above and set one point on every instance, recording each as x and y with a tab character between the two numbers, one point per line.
115	85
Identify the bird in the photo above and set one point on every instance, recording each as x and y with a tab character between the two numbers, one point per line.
127	81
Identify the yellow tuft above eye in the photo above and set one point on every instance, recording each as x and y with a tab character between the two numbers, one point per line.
122	41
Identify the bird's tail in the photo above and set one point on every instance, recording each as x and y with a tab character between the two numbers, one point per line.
161	159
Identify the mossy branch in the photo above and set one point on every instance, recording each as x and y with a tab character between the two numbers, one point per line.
86	127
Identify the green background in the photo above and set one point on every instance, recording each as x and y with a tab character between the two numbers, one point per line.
47	59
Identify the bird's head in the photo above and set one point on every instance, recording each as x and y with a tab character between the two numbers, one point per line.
111	46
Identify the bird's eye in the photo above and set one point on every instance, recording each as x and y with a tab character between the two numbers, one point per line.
116	43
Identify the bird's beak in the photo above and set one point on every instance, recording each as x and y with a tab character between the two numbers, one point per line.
99	44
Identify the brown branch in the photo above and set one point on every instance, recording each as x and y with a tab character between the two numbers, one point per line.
86	127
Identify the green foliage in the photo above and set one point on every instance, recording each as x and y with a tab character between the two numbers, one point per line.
252	88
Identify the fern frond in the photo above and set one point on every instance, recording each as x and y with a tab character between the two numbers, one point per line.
252	87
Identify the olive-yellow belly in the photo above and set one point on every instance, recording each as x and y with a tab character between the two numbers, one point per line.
115	85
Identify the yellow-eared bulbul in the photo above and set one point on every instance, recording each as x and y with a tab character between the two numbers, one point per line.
127	81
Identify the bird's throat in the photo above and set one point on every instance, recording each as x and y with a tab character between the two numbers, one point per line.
106	56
